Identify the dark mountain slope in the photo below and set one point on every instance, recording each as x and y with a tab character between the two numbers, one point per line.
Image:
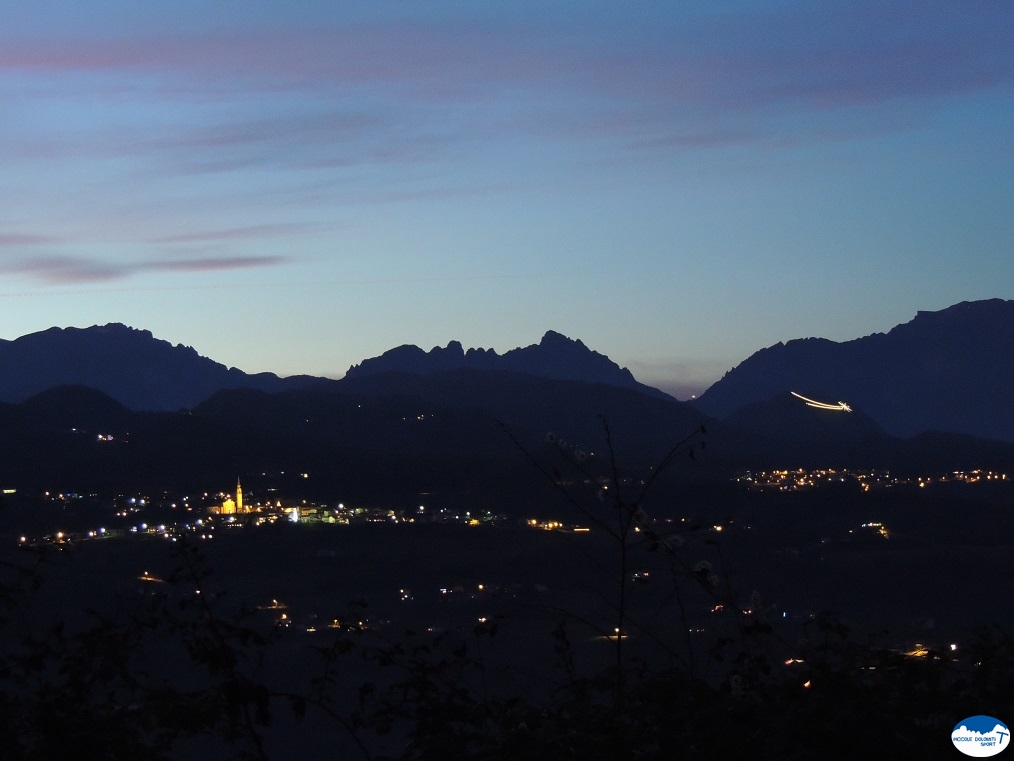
400	440
131	366
951	370
643	427
788	418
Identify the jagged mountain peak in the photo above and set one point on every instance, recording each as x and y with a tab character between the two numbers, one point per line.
556	356
552	338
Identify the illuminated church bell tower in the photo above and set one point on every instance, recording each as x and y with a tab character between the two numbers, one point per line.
239	496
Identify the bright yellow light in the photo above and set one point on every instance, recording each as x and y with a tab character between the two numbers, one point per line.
840	406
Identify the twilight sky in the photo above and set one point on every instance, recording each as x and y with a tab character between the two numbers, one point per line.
297	186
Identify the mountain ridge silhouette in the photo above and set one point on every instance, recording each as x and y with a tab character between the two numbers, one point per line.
950	370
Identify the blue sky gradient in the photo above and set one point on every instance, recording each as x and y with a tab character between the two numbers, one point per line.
295	187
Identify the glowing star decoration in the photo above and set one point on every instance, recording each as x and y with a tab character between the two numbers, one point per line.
840	406
980	736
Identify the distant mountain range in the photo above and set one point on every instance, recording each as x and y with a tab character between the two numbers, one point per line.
145	373
556	356
107	408
131	366
464	438
951	370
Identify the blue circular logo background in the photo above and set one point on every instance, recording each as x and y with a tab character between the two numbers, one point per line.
980	736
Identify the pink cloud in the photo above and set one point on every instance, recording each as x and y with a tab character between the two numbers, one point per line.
680	79
840	53
212	264
60	270
251	232
66	269
25	239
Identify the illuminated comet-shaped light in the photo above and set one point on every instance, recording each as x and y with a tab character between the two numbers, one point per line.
841	406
